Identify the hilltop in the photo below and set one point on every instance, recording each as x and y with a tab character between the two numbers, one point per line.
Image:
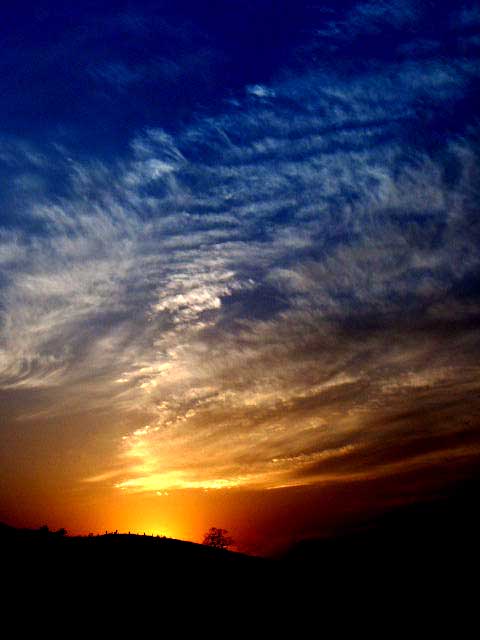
402	560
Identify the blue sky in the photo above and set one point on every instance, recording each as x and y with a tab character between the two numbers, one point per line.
242	235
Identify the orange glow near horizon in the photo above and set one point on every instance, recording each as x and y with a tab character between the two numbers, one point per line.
260	522
149	514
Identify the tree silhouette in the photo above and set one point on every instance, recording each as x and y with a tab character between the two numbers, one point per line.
217	538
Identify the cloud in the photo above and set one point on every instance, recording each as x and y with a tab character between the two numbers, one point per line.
371	16
260	91
469	16
370	19
261	285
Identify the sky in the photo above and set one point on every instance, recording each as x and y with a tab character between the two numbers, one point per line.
239	266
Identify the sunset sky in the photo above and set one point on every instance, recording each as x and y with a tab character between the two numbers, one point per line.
239	263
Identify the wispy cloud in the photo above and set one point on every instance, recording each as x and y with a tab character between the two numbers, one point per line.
262	285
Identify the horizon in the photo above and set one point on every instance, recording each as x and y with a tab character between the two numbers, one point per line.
239	266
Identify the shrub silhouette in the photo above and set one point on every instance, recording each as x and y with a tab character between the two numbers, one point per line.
217	538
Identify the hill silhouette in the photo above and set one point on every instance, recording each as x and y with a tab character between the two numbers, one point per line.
115	553
418	559
422	537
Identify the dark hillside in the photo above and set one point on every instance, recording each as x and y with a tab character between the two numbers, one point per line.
413	560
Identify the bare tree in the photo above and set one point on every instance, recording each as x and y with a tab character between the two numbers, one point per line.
217	538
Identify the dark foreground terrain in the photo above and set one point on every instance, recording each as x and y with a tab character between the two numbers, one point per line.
421	559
